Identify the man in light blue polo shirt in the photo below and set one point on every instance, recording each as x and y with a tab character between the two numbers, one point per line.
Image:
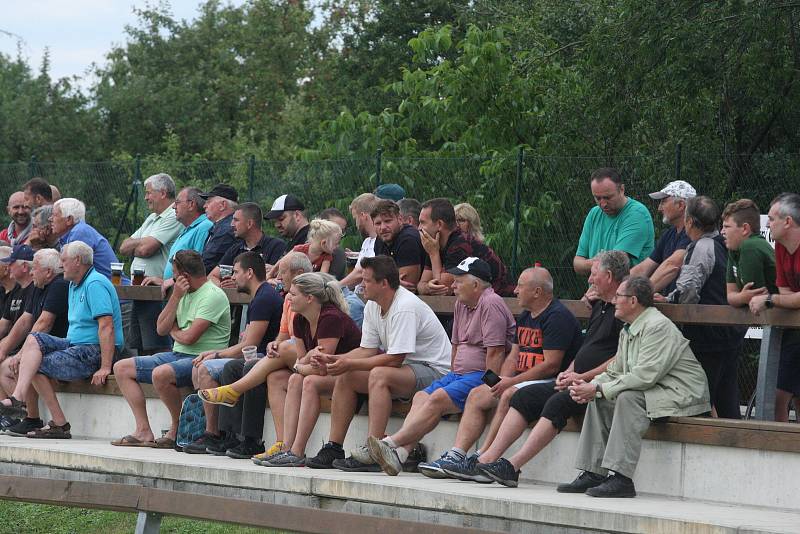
189	210
93	337
68	221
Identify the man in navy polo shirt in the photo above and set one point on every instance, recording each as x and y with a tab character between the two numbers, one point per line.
94	335
220	204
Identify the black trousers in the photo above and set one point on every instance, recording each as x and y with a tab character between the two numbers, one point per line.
247	417
542	400
722	371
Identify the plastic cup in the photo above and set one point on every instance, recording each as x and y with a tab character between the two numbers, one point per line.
250	352
116	273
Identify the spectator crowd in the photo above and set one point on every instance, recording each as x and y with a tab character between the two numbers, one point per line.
316	327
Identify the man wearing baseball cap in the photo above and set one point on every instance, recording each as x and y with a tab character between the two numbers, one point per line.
663	265
220	204
483	333
289	220
19	263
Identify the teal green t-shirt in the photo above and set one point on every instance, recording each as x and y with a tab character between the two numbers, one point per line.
753	262
210	303
630	230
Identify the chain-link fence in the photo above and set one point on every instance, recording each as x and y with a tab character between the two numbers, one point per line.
532	206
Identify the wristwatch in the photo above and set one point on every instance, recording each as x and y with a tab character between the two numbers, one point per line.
598	391
768	303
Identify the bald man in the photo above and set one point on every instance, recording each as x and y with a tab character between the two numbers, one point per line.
547	338
20	227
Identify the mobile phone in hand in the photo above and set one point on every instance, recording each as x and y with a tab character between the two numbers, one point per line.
490	378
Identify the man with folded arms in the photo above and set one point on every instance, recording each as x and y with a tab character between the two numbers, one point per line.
94	335
483	332
654	375
404	349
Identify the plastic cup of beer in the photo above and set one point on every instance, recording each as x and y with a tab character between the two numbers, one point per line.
138	277
116	273
225	271
250	352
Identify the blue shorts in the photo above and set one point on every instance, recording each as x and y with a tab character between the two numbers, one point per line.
180	362
63	361
214	367
457	386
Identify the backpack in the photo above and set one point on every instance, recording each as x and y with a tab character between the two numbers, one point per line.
192	421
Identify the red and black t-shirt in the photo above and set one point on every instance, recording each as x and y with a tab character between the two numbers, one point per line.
787	268
553	329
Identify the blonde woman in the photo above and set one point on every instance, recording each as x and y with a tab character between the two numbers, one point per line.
468	221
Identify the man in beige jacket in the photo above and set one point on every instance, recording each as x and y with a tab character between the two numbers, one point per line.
654	375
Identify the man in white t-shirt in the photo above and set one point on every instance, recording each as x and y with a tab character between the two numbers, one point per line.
361	210
404	349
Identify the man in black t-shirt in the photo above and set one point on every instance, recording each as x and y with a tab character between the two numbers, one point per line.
19	266
213	368
399	241
289	220
45	312
553	406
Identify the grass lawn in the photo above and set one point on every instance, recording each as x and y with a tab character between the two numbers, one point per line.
27	518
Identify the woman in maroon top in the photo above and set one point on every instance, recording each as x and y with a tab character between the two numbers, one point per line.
321	324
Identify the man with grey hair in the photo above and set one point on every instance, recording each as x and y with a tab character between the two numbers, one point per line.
69	224
409	211
45	312
149	247
784	227
653	375
42	229
665	261
483	333
93	337
19	264
20	227
220	205
547	338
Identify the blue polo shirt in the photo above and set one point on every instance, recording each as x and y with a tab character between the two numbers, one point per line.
93	297
193	237
103	253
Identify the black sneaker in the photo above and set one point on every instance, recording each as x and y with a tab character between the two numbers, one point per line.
327	454
501	471
354	466
199	445
7	422
418	455
614	486
466	470
220	447
245	450
583	482
22	428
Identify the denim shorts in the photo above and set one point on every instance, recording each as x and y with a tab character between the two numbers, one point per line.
180	362
66	362
457	386
215	366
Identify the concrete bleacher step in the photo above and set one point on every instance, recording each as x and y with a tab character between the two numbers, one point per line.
410	497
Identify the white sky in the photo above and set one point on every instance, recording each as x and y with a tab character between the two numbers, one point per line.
77	32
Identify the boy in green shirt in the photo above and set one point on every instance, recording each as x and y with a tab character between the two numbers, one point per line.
751	260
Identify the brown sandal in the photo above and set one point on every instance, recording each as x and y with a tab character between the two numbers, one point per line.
164	443
17	409
51	431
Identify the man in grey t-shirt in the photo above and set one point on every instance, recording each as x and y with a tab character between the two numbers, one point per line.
404	349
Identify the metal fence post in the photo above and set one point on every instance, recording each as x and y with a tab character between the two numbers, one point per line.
378	165
32	167
137	183
517	191
768	373
251	177
678	154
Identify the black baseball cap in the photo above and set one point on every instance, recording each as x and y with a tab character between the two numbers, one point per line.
474	266
222	190
20	252
284	203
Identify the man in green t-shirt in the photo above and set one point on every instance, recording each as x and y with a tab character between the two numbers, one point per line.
751	260
197	317
617	222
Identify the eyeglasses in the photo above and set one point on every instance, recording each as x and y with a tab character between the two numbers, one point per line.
623	295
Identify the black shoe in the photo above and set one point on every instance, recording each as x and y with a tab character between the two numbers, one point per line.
327	454
220	447
22	428
501	471
418	455
245	450
7	422
584	481
199	445
614	486
354	466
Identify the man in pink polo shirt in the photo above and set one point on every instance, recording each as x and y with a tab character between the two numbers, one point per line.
483	332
